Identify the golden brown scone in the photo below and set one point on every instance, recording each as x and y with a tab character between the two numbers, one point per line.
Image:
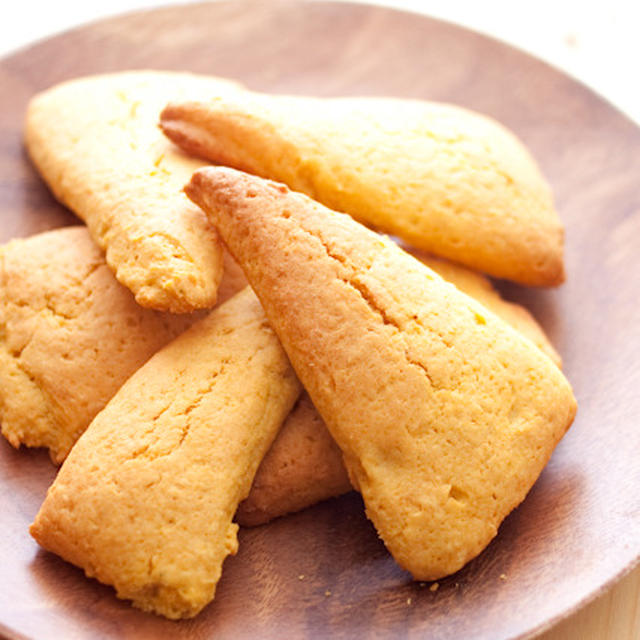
145	500
48	400
303	466
444	179
445	415
70	335
96	143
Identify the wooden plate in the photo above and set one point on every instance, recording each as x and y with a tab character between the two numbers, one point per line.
579	528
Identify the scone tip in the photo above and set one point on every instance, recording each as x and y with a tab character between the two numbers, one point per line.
224	185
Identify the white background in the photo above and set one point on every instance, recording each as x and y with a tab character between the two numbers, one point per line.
597	42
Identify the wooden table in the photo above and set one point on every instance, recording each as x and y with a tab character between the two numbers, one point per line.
615	615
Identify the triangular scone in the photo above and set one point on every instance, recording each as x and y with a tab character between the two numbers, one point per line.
445	415
145	500
96	143
71	335
304	465
442	178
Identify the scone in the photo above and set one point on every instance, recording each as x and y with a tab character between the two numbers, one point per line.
70	335
442	178
47	398
145	500
96	143
304	464
445	415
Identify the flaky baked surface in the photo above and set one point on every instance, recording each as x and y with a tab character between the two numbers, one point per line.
50	388
145	500
445	415
96	143
70	335
47	398
304	465
442	178
479	287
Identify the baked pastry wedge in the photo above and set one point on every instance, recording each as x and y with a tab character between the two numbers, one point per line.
145	499
304	464
442	178
96	143
445	415
70	335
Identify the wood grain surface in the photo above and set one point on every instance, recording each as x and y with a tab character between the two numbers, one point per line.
323	572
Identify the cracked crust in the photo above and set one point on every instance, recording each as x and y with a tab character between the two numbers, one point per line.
70	335
96	143
146	498
442	178
64	317
445	415
304	464
48	398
